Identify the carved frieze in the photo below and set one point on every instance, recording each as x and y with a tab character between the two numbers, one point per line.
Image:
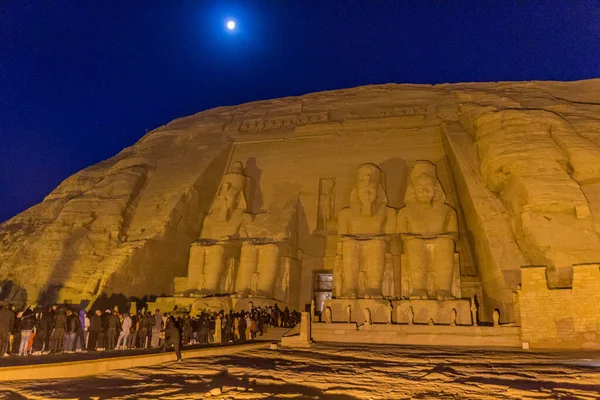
287	122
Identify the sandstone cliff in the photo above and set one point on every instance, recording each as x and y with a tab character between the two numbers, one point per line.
523	161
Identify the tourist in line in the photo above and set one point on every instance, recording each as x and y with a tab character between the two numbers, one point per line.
156	328
95	329
27	326
65	333
113	325
48	325
57	337
84	323
7	322
134	330
41	333
125	331
146	330
73	327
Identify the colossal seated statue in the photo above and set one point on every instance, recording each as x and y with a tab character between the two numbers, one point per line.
219	240
429	230
364	230
267	258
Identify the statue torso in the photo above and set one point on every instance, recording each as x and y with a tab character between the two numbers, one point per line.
370	225
426	221
215	228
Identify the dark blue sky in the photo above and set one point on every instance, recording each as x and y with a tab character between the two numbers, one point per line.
80	80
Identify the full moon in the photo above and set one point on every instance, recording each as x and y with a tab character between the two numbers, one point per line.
231	25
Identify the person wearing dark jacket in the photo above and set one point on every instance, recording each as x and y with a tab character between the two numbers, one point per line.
172	336
7	321
80	341
146	329
40	335
94	330
242	327
113	326
101	342
72	330
27	325
47	325
16	332
133	332
57	337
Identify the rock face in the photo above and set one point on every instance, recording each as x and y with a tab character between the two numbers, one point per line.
518	161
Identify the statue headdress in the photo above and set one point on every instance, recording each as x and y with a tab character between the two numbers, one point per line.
381	199
423	171
235	178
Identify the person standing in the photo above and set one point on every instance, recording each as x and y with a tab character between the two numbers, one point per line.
242	327
113	326
58	334
133	331
94	330
186	330
72	330
7	321
125	330
47	326
27	325
172	336
158	325
40	335
145	328
80	344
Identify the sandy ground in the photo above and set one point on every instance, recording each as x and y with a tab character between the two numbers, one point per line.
335	371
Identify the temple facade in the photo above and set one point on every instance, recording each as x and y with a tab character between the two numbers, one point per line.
400	204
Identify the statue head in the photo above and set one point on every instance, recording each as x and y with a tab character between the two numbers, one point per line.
231	193
368	192
424	187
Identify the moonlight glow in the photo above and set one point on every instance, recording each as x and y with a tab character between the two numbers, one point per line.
231	25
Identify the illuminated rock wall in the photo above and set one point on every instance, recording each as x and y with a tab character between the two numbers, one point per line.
519	161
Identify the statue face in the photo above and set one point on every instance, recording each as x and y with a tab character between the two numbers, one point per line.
226	201
367	186
424	191
230	198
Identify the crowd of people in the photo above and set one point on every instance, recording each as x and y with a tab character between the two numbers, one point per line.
65	330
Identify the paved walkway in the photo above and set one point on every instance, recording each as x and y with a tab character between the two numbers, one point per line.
273	334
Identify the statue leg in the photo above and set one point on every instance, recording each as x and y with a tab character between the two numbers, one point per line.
351	261
443	267
416	254
374	258
213	270
196	268
268	266
248	264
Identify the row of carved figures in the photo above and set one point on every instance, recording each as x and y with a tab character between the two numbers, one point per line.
327	315
427	225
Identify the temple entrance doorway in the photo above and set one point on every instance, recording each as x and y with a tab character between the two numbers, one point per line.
322	286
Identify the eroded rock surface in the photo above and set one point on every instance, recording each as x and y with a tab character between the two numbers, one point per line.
519	161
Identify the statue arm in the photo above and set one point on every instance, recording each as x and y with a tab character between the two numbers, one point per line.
246	221
452	224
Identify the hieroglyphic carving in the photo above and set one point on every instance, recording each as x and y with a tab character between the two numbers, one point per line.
401	111
287	122
325	215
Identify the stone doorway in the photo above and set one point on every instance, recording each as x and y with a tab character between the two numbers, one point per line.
322	287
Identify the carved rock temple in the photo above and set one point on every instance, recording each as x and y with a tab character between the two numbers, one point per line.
447	214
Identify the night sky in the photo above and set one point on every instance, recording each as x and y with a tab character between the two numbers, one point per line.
81	80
